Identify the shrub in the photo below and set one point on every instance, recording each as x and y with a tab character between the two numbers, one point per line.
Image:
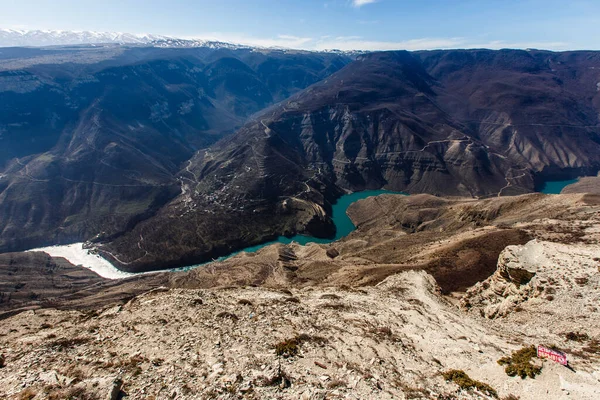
593	347
581	281
2	361
227	315
336	383
61	344
244	302
304	337
335	306
292	300
287	348
519	363
465	382
26	394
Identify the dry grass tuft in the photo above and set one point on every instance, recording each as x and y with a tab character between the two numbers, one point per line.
465	382
577	336
227	315
64	343
287	348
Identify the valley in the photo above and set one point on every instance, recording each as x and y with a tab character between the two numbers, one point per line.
404	289
193	219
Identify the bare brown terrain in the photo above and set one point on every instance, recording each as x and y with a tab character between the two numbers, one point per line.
586	184
34	280
425	285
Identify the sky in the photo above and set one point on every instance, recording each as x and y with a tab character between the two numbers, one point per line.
329	24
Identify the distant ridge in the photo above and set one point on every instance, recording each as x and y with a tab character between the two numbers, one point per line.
43	38
14	37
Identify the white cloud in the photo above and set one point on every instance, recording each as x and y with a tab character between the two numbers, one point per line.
357	43
500	44
347	43
360	3
285	41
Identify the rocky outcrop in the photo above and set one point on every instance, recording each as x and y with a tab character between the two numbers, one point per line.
510	285
588	184
533	274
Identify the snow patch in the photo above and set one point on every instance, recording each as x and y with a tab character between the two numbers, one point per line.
77	255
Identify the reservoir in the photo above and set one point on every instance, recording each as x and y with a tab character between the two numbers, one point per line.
555	187
343	224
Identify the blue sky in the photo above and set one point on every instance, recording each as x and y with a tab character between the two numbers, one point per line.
325	24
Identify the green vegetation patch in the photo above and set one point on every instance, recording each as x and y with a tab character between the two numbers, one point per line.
519	363
466	383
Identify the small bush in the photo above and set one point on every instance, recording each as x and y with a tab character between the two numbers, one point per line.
63	343
281	379
335	306
465	382
383	331
519	363
26	394
227	315
336	383
304	337
287	348
157	362
244	302
581	281
292	300
2	361
593	347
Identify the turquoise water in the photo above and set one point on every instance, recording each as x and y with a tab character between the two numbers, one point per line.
343	224
555	187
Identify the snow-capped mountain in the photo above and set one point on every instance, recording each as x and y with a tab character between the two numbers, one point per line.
40	38
12	37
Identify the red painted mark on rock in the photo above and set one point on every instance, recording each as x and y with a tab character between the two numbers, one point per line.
554	355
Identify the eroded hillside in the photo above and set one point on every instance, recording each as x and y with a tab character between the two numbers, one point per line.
424	286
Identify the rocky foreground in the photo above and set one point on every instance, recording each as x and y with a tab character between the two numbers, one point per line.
395	310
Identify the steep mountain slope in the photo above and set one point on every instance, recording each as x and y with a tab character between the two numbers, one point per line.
467	123
537	108
91	141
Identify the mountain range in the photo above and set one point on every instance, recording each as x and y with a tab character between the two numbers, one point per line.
163	157
19	37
